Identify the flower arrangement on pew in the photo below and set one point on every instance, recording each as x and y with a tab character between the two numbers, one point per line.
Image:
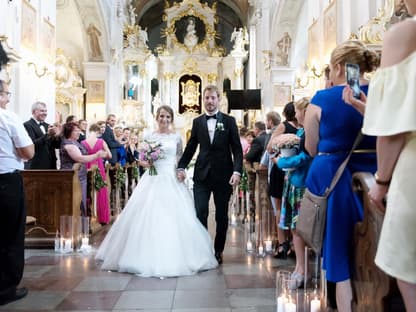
151	151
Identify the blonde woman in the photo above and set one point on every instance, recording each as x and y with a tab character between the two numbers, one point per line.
331	126
293	190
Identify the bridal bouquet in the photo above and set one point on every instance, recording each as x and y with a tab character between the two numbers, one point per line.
285	141
151	151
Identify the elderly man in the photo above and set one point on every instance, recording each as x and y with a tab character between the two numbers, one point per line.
44	136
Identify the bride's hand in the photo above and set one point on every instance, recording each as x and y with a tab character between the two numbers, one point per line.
145	163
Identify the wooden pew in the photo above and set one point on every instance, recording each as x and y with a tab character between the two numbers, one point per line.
49	195
373	289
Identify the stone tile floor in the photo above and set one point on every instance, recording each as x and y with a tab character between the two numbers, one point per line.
74	282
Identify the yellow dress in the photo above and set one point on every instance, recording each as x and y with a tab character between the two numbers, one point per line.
390	110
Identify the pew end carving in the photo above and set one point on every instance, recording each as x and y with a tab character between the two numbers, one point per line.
50	194
373	289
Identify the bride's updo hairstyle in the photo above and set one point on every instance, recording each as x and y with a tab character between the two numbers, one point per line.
356	52
166	108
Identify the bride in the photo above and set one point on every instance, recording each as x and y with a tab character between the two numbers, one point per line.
158	234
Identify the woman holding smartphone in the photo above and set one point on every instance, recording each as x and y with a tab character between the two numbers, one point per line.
331	127
390	114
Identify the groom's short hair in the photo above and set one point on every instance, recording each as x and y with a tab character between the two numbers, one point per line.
212	88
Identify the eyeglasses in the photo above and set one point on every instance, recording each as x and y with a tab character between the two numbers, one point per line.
9	94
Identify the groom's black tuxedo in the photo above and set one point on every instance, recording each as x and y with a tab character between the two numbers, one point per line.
214	167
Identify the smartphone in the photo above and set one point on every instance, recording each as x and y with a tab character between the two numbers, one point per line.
353	78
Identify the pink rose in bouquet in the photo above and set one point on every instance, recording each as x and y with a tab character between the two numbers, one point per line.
285	141
151	151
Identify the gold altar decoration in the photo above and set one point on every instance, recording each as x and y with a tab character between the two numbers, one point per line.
190	94
372	32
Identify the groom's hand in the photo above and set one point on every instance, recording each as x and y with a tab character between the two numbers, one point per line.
180	175
235	179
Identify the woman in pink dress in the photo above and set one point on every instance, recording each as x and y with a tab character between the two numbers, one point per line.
93	144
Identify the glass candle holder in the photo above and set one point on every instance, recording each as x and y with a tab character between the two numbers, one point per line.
67	233
281	289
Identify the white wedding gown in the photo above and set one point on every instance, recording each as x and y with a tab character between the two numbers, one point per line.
158	233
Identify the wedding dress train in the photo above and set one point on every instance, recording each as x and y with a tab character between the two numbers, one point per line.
158	233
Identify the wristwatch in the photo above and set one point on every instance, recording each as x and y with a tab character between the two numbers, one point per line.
381	182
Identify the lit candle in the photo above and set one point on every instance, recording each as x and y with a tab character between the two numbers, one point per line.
84	241
268	244
68	245
260	250
249	246
290	307
315	305
248	202
281	300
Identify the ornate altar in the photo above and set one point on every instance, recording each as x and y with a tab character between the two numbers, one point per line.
69	90
187	61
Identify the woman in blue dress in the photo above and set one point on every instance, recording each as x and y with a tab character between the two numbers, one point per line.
331	127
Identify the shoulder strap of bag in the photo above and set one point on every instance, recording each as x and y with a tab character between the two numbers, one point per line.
341	168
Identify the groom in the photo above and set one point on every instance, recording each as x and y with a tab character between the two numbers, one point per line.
218	165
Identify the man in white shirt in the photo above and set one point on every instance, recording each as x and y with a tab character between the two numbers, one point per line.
16	146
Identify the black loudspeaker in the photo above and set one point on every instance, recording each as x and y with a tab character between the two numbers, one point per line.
244	99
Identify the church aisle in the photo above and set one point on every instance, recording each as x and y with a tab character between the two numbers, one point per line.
243	283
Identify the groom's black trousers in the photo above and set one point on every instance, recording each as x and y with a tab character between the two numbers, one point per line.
221	191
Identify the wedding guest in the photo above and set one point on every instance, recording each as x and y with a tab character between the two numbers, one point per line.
72	152
94	144
276	179
257	145
44	136
16	146
108	137
331	128
297	167
83	125
250	136
243	140
390	114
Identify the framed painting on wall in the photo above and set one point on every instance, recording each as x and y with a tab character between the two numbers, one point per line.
314	42
29	26
48	40
282	95
95	91
330	27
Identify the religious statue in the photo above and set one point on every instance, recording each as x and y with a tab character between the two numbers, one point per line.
143	38
132	15
94	35
283	49
240	38
190	39
156	102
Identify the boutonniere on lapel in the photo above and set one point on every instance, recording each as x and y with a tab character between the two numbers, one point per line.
219	126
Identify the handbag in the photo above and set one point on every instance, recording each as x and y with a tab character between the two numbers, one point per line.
312	215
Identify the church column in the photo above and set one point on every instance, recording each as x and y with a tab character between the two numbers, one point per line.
167	96
252	68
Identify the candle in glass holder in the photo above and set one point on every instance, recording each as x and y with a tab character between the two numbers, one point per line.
68	245
249	246
268	244
260	250
281	301
315	305
84	241
233	220
290	306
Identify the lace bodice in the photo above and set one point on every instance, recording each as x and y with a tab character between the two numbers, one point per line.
172	148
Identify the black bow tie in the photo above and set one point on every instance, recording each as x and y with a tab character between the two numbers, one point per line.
212	116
